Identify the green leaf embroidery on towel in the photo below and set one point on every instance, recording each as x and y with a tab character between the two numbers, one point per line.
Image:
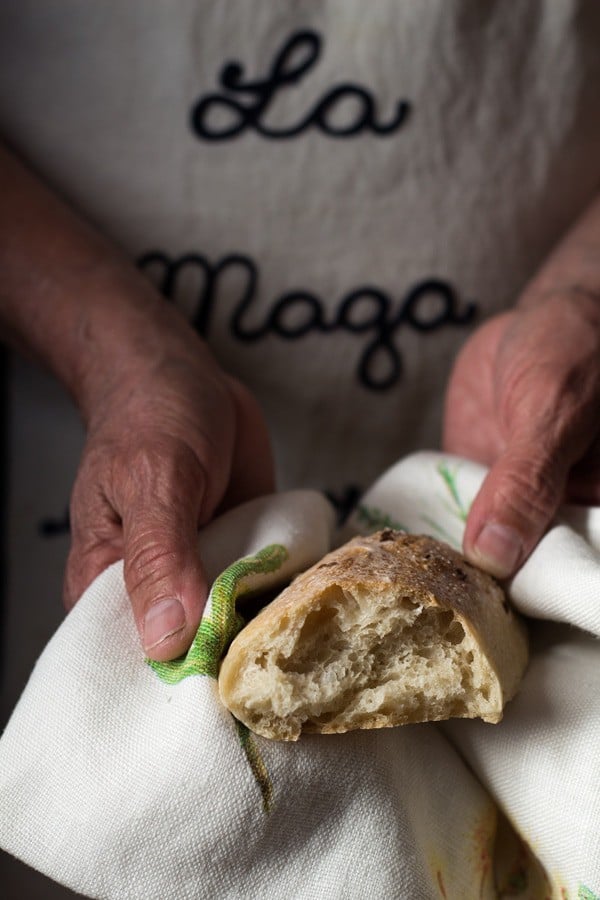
213	637
376	519
259	770
449	477
216	632
456	507
584	893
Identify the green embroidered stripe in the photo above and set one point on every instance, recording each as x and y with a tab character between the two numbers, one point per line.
213	637
259	770
449	478
376	519
584	893
441	532
216	632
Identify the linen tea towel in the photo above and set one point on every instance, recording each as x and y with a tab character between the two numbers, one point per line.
125	780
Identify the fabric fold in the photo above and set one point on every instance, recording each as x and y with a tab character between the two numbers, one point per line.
125	779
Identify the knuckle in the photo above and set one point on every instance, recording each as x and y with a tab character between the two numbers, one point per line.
149	563
522	401
92	521
554	393
89	503
162	468
529	491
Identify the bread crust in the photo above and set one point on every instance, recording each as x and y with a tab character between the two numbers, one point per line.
379	571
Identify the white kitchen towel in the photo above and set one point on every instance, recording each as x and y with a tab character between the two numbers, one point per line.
123	779
431	493
542	764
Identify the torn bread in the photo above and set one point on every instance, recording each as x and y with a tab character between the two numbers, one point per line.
386	630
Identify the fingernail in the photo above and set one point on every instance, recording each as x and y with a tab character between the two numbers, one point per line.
163	619
498	549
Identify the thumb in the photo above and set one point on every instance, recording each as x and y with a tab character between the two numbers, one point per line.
515	504
163	572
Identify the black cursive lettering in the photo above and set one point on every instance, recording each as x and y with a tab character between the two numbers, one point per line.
256	98
428	306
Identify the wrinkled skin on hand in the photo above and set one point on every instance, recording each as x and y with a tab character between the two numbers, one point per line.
170	443
171	439
524	399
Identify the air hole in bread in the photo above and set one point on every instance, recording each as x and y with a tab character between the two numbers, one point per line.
388	630
353	660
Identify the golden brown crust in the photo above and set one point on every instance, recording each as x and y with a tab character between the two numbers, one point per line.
412	568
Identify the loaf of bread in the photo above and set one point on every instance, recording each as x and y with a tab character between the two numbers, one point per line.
386	630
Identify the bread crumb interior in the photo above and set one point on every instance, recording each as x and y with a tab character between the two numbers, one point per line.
356	657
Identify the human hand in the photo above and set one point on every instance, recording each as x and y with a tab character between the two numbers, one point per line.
171	440
524	399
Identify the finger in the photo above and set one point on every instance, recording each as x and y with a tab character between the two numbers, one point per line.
514	507
546	406
163	571
96	538
252	468
469	425
89	557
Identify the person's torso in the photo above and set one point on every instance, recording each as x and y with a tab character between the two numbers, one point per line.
334	194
